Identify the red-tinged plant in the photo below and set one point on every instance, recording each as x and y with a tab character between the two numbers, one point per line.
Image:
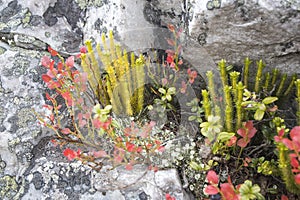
192	75
172	59
71	154
91	126
232	141
246	132
289	158
169	197
279	137
294	142
52	51
226	190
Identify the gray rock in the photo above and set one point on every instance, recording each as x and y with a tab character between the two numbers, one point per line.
267	30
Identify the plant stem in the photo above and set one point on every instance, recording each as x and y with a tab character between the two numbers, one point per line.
280	88
260	66
247	63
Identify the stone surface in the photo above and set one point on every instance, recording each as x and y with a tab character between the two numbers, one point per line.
30	167
264	29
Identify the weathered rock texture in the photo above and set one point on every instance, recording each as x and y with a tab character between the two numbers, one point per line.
268	30
30	167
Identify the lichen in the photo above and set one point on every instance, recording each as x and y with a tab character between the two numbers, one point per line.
20	65
210	5
25	115
83	4
2	165
291	4
2	50
26	18
8	187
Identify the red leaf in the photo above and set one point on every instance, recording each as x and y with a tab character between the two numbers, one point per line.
82	123
52	73
169	197
70	154
283	197
60	67
83	49
227	190
242	132
66	131
139	149
297	179
210	189
45	61
212	177
161	148
192	75
295	131
68	97
130	147
251	132
183	87
48	107
180	62
171	27
48	97
295	136
70	62
53	84
232	141
100	154
96	123
294	162
46	78
129	166
170	59
52	51
280	135
242	142
288	143
118	159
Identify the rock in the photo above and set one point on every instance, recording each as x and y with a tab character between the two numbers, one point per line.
264	29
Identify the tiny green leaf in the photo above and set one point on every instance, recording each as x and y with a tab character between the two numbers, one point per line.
172	90
162	90
195	166
269	100
192	118
259	114
225	136
169	97
194	109
261	106
246	103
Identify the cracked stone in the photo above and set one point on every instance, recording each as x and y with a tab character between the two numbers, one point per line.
12	9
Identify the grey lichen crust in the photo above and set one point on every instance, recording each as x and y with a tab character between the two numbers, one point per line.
83	4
